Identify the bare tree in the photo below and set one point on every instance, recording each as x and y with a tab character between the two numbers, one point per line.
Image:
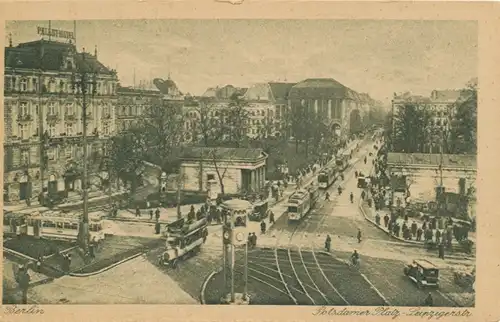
221	162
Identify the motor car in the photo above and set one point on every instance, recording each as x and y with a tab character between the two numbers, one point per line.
423	273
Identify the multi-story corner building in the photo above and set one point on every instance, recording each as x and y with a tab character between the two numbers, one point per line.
132	101
441	104
43	144
339	106
268	107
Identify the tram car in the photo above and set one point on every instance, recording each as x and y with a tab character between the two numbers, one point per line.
183	239
314	194
327	177
54	225
342	162
301	202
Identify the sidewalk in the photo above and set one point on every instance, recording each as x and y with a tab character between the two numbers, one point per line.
370	215
167	215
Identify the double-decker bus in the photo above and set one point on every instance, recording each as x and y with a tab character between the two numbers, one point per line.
183	238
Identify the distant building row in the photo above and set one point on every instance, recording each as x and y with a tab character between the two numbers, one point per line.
43	145
441	104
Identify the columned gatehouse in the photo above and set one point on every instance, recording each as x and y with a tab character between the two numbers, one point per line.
240	170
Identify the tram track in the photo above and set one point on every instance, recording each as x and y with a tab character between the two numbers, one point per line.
302	288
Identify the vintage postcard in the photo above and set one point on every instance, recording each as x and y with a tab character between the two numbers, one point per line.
199	155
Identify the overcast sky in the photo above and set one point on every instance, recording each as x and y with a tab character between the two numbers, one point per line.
377	57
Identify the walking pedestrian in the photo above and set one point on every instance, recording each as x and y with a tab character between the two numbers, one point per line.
438	236
441	251
262	227
429	301
414	228
377	219
137	212
157	214
151	214
386	220
254	240
359	235
419	234
328	242
327	196
91	251
271	217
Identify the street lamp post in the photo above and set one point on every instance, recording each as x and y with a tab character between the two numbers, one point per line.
85	81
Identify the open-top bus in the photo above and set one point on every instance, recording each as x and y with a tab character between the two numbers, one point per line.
183	238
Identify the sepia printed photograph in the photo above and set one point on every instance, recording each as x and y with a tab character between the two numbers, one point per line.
240	162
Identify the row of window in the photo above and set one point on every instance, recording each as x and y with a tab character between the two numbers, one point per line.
131	110
53	154
70	129
52	85
52	109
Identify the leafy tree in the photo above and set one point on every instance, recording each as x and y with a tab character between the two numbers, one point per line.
297	125
463	133
411	123
236	121
163	134
126	156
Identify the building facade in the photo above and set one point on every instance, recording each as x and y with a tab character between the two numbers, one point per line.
423	173
241	170
43	111
338	106
441	105
132	101
268	107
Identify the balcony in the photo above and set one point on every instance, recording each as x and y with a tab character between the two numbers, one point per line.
53	117
89	116
24	118
70	117
106	116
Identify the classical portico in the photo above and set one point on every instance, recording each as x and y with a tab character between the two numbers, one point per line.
235	170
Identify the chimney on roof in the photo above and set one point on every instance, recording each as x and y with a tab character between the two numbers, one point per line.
10	39
95	51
